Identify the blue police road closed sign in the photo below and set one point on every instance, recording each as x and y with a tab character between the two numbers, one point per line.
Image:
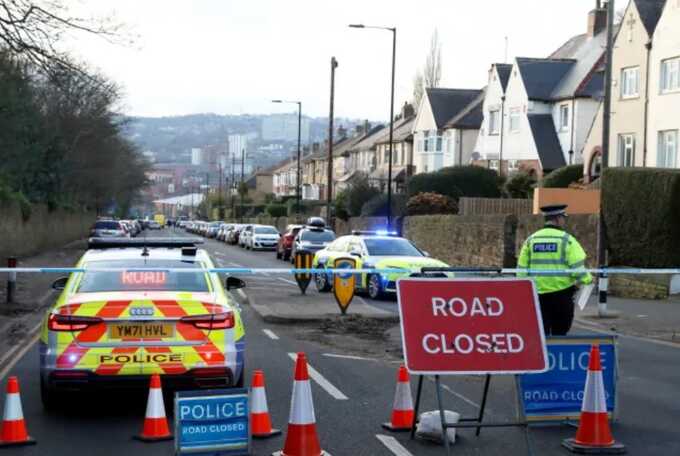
557	394
212	422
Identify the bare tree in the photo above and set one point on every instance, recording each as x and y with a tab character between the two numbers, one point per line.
33	28
431	73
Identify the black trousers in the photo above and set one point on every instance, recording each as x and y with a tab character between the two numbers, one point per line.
557	309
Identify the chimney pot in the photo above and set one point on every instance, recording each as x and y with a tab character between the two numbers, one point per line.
597	20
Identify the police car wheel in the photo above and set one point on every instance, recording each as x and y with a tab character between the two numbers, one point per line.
322	283
374	287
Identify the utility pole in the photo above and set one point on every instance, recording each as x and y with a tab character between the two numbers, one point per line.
220	208
606	124
329	186
233	181
207	195
299	173
240	190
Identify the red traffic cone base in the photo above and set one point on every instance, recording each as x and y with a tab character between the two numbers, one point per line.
14	432
401	419
260	421
594	435
155	422
301	437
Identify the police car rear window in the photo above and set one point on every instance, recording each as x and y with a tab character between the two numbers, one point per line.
107	226
160	280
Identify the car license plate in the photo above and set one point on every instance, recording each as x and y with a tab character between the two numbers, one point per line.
141	330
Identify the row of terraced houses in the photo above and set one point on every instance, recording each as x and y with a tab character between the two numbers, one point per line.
535	114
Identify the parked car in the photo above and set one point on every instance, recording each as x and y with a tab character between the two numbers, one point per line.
222	232
285	244
108	228
245	234
263	237
312	239
212	229
233	235
154	225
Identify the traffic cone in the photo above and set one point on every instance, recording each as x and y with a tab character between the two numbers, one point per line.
301	438
260	422
155	423
593	435
402	410
14	431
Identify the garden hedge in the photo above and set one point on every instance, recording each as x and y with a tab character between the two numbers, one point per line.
562	177
641	209
457	181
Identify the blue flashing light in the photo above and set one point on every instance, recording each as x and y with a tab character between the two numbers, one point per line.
385	233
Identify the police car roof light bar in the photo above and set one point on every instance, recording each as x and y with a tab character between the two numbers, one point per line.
119	243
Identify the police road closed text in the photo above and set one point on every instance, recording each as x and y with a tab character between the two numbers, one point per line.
468	326
212	411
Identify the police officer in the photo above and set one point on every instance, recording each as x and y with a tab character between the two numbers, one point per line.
552	248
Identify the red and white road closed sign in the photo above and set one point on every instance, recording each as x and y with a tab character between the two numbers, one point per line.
471	326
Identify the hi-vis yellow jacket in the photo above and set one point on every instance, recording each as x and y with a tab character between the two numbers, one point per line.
554	250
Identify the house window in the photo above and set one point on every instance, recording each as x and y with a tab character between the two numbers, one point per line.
670	75
626	150
668	149
630	79
513	165
494	124
513	124
493	164
564	117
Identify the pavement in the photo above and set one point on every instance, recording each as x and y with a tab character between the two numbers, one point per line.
354	356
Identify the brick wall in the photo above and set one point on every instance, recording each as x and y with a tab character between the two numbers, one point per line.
43	230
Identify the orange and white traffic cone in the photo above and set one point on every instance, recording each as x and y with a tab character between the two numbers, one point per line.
402	410
260	422
301	438
594	435
155	422
14	430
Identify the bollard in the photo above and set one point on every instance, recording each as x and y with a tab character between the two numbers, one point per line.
11	279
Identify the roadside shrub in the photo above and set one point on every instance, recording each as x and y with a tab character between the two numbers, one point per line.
341	211
377	206
641	209
457	181
358	193
276	210
431	203
562	177
520	185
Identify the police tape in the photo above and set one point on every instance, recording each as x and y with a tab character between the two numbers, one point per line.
428	270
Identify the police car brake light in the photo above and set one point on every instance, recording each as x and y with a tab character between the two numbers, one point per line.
223	320
58	322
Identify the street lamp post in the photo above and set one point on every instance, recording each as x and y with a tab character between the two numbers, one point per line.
329	186
389	165
298	173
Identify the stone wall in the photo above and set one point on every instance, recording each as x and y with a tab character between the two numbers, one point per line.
41	231
475	240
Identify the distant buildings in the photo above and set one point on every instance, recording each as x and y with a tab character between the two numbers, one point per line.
284	127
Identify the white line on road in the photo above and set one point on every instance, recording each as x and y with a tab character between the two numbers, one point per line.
393	445
270	334
20	354
287	281
321	380
461	397
358	358
235	264
242	294
597	329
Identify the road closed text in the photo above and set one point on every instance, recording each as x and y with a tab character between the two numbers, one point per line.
461	343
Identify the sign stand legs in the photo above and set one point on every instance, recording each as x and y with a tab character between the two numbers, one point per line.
473	422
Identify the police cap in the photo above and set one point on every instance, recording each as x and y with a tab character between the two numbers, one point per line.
554	210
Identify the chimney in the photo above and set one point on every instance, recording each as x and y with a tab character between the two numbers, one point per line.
367	126
597	19
407	111
315	147
359	131
342	132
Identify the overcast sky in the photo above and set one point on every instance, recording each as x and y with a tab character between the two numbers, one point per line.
234	56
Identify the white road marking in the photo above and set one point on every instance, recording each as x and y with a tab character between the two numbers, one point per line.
242	294
20	353
270	334
235	264
287	281
321	381
359	358
461	397
393	445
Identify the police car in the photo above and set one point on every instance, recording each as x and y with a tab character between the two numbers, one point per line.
110	328
373	250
